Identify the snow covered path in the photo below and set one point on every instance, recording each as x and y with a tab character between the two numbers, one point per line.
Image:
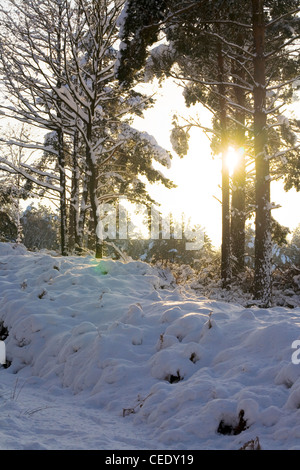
116	356
35	418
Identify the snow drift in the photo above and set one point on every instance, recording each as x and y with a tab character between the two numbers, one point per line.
122	341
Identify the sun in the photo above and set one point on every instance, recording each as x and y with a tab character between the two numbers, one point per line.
232	159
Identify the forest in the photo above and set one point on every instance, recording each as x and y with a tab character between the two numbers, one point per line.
71	80
124	326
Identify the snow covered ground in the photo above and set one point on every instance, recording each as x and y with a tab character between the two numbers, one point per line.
112	355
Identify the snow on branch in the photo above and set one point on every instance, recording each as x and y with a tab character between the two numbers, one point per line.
283	46
159	154
28	176
8	170
231	44
279	18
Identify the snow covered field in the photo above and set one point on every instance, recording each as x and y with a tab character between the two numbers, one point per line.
111	355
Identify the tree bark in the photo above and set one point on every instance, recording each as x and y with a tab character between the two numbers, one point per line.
60	140
63	199
74	202
238	209
92	184
82	217
263	245
225	248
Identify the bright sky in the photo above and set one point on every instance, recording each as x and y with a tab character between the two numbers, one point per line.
198	175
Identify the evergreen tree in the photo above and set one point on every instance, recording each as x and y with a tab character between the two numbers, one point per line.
188	47
255	68
294	248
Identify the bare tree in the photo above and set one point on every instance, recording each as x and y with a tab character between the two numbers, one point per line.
57	62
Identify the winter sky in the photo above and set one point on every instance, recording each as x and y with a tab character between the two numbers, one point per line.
198	175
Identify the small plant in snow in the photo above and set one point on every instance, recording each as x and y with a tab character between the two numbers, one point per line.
232	429
42	294
254	444
141	401
161	340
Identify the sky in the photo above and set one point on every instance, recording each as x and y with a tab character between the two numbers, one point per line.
198	175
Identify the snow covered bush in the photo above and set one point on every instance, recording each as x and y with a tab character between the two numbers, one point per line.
40	228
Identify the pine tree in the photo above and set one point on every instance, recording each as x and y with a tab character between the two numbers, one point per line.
253	70
263	246
189	46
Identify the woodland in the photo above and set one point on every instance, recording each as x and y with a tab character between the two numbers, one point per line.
70	89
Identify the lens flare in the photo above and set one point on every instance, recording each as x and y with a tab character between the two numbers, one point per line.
233	158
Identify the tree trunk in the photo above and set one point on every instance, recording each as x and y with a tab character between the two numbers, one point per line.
92	183
82	217
238	209
74	202
263	244
63	199
225	249
60	140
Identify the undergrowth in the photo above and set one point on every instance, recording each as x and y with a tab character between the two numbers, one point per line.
206	281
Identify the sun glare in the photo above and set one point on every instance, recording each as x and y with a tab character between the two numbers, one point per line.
197	175
232	159
196	196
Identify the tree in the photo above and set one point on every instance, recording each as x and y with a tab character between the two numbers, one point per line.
253	78
270	54
16	184
263	245
294	248
8	229
188	48
57	64
30	51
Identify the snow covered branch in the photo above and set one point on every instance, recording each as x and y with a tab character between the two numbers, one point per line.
19	170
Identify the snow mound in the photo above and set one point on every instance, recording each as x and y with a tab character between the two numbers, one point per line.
188	373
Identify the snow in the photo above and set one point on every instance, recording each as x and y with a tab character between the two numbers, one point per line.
114	355
159	154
